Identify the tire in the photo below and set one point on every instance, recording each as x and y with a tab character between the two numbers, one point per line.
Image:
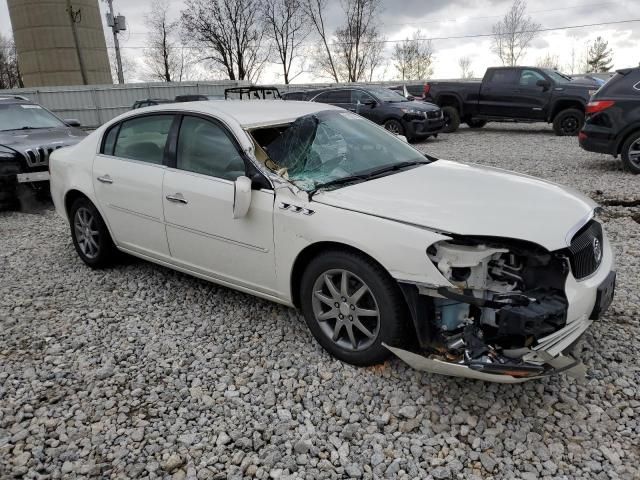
451	119
476	123
568	123
85	222
378	293
631	153
394	126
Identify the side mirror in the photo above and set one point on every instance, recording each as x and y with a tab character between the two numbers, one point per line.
241	196
545	84
72	122
411	98
370	102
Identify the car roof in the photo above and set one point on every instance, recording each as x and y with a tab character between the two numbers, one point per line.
249	113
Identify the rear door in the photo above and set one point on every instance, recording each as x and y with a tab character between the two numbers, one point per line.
198	195
127	179
497	92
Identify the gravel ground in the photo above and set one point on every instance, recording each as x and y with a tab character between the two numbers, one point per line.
139	371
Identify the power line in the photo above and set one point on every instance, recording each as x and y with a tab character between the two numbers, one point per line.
455	37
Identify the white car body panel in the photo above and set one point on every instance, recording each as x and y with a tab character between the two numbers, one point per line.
393	219
470	200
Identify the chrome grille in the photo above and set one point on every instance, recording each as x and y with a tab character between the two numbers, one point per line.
586	250
39	156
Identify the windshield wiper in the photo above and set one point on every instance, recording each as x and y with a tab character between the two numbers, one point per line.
367	176
24	128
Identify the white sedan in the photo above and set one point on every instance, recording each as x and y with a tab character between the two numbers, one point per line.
455	268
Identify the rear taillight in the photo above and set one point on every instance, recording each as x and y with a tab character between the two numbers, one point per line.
598	106
427	87
582	136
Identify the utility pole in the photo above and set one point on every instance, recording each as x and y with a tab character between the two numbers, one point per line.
117	24
75	16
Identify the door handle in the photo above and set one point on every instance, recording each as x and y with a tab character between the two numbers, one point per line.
177	198
105	179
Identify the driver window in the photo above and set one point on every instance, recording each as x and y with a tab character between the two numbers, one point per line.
358	96
204	147
528	78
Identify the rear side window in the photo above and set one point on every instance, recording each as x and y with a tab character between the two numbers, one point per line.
334	96
502	76
143	138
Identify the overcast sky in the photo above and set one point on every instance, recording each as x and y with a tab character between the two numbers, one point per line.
446	18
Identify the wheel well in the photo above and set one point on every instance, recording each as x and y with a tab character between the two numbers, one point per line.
449	101
309	253
624	139
565	104
70	197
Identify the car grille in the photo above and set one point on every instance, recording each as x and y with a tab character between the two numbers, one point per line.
39	156
433	114
586	250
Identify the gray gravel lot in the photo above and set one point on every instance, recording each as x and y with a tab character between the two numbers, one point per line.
139	371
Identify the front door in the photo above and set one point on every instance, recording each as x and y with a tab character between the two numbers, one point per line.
127	179
198	206
531	100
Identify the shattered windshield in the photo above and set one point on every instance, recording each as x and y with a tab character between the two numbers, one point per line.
329	146
26	116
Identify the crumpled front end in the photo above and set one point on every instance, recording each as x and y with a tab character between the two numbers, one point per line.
512	311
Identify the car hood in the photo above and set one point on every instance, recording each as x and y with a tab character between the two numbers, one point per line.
21	140
465	199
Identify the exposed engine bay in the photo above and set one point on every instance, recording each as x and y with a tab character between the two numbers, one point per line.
504	299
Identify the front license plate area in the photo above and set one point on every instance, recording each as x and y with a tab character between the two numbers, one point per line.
604	297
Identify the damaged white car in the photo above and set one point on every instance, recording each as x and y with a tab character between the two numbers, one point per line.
457	269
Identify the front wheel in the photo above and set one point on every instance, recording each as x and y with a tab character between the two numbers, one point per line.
352	306
631	153
568	122
394	126
451	119
90	235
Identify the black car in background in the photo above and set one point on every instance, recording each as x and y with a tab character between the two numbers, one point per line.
28	135
414	120
149	102
612	125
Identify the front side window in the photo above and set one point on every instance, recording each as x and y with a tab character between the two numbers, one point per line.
143	138
334	96
386	95
358	96
529	78
331	145
204	147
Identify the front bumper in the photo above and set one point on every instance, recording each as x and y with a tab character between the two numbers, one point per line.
423	127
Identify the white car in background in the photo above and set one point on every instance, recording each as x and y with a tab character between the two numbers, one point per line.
457	269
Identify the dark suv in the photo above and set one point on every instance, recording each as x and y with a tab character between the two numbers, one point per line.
28	135
414	120
613	119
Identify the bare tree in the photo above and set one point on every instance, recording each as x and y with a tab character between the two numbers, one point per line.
548	60
287	28
164	56
572	66
465	67
355	44
414	57
230	34
598	57
513	34
323	54
9	71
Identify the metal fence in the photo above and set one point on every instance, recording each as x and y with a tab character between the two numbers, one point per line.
93	105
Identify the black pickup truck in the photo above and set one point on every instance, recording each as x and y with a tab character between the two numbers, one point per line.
515	94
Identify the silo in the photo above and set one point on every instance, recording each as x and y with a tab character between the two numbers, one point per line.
50	52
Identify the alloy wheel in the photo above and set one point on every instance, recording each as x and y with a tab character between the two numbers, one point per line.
634	153
87	234
346	310
393	128
570	125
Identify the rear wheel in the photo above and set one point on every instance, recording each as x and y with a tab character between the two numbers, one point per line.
451	119
568	122
631	153
394	126
352	306
476	123
90	235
